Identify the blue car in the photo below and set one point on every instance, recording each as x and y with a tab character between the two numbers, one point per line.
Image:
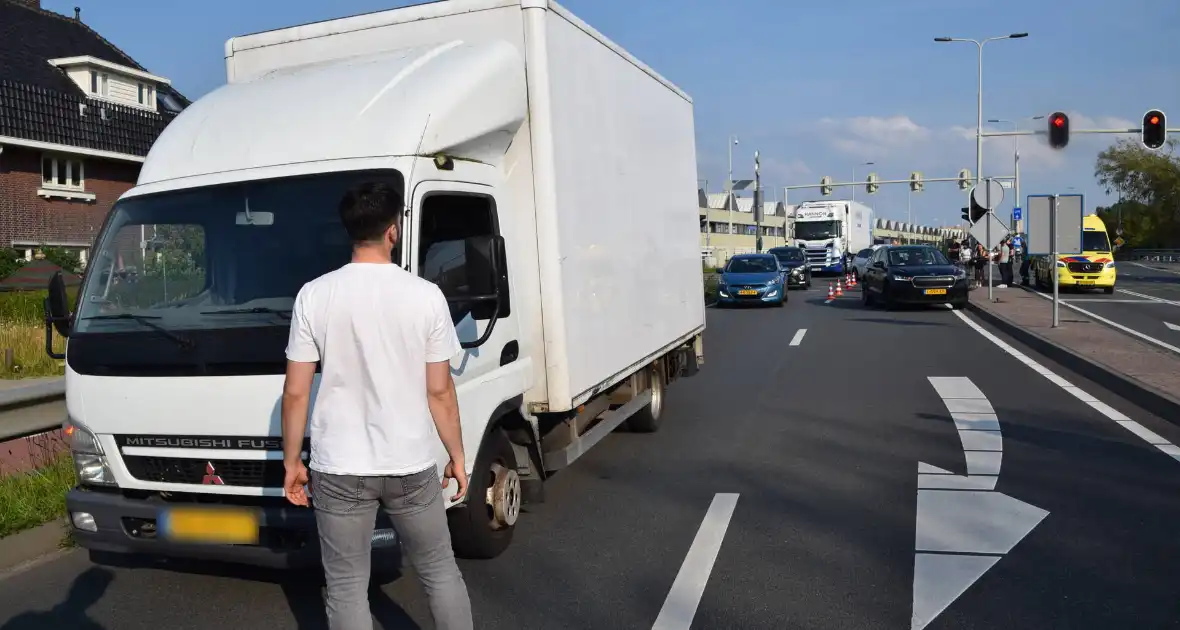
752	279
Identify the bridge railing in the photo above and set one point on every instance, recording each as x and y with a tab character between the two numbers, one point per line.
1152	255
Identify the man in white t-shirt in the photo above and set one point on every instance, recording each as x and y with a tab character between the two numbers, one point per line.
384	339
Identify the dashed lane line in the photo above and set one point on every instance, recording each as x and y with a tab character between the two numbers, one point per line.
1111	413
798	338
681	604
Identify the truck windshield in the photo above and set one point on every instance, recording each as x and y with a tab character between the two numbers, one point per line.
814	230
210	260
1095	242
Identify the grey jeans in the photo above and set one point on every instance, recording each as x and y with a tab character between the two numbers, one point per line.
345	513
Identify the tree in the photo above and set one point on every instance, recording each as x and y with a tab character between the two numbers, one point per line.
1148	183
10	261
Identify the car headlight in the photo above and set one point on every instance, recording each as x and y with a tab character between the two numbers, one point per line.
902	278
90	462
1060	264
1110	265
798	271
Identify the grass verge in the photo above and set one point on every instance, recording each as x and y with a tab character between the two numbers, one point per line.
27	342
36	497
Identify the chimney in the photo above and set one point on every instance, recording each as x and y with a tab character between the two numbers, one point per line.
77	14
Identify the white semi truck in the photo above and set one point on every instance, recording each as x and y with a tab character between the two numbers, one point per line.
831	232
549	180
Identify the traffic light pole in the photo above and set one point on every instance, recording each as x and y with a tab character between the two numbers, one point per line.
1031	132
1053	235
880	181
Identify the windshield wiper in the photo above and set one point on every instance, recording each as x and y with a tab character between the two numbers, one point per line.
146	320
285	314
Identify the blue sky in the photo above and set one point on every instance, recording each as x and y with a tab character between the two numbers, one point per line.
817	87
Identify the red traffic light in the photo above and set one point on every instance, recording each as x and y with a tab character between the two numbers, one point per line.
1058	130
1155	132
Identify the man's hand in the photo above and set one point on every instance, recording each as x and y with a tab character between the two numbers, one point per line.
458	472
295	482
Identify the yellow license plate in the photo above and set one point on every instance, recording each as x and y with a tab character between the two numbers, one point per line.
747	292
935	291
1086	282
209	525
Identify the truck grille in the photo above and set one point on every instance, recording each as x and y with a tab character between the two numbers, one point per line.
927	282
252	473
1085	267
817	257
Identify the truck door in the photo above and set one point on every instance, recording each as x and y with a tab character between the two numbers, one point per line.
444	216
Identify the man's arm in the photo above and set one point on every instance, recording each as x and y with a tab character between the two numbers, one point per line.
444	409
296	400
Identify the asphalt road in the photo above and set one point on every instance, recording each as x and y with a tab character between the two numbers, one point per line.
820	435
1146	300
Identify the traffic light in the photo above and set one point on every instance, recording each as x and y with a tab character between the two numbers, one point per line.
871	184
916	183
825	185
1155	129
964	179
1058	130
966	214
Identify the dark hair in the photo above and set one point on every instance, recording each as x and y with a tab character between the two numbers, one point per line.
368	210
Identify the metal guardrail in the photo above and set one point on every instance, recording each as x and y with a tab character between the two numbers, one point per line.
1153	255
31	409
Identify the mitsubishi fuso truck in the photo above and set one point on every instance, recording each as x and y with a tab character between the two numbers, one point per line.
549	180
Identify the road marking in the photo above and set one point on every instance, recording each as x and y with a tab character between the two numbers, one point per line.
1150	297
1110	412
1155	268
1121	327
1171	326
798	338
1106	301
963	526
681	604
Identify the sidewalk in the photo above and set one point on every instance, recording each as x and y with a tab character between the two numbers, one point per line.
1144	374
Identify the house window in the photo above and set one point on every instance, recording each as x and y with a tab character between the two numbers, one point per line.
94	82
141	93
106	85
62	173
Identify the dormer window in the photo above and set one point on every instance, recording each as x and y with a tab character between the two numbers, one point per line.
104	80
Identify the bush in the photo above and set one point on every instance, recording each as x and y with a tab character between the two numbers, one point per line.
10	261
68	260
27	308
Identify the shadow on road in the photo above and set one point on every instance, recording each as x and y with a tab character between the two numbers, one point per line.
302	588
84	592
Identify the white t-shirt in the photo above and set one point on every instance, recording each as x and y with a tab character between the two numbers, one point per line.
374	328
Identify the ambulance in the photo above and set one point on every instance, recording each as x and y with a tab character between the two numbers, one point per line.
1093	268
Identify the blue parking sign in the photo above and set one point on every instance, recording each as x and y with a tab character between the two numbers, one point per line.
1017	215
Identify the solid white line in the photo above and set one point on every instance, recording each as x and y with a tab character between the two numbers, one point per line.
1121	327
1155	268
1106	410
798	338
1150	297
681	604
1106	301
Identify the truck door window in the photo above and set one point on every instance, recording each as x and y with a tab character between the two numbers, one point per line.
446	259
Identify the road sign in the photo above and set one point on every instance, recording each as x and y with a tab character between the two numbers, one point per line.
1017	214
1069	225
1005	184
1119	242
990	237
989	194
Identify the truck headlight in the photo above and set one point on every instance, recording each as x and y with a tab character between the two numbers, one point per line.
90	463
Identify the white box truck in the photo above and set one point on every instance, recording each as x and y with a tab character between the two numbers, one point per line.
549	181
831	232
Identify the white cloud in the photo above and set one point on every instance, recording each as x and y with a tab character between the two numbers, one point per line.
870	137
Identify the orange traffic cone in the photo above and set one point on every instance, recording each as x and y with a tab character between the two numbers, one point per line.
848	279
831	294
852	280
839	288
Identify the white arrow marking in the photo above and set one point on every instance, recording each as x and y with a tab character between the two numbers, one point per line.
1172	326
960	515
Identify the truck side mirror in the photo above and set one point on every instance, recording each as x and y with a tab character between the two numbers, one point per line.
487	283
57	306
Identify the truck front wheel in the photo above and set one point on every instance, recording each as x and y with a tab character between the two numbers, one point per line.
482	527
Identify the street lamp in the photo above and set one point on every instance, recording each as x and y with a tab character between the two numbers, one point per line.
979	95
729	183
854	177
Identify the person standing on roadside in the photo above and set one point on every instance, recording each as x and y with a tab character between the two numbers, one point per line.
384	340
1025	262
1005	260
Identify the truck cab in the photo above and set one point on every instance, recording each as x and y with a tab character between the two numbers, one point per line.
1094	268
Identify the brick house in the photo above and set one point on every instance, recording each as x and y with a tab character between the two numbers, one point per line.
77	117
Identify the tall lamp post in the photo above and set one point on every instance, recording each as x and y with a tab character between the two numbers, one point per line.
729	183
979	95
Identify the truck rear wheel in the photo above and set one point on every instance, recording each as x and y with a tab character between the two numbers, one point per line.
647	420
482	528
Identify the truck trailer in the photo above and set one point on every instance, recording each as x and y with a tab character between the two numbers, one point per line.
542	166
